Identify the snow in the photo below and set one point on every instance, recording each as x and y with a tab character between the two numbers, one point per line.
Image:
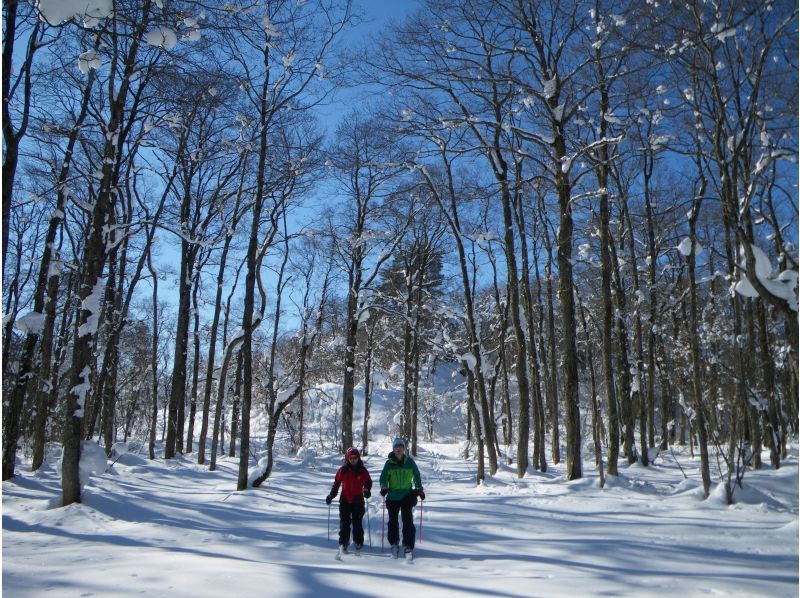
658	142
81	389
549	88
558	112
685	247
162	37
30	323
92	462
92	305
782	285
722	32
58	11
269	28
89	60
174	528
193	35
470	360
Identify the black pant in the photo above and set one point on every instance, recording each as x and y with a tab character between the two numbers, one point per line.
351	513
404	506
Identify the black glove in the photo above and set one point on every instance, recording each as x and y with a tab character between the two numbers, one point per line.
384	491
421	494
367	493
329	499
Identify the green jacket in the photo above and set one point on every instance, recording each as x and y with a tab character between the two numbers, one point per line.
397	477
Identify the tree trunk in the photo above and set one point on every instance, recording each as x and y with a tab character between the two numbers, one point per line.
195	366
625	394
550	365
349	374
637	395
212	351
697	384
451	215
94	263
596	418
367	390
566	301
177	394
537	404
12	138
524	417
237	392
154	360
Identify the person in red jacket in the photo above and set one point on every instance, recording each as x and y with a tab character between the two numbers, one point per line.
356	486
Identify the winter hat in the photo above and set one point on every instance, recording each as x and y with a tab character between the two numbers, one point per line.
352	452
398	442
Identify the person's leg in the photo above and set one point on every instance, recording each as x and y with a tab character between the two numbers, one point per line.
344	523
358	524
409	531
394	527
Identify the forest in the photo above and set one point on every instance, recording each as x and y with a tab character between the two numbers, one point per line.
213	211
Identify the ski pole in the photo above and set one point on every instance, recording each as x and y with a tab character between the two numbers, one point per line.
421	502
383	520
329	522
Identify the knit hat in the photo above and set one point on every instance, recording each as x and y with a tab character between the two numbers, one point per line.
352	452
398	442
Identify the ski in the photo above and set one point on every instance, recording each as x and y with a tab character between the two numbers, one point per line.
339	556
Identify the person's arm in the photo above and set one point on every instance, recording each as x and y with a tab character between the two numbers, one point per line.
367	480
417	476
337	481
384	479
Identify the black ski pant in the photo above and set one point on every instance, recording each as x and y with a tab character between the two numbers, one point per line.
351	513
405	507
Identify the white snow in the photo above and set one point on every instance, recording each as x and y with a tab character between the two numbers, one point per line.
685	247
193	35
92	305
658	142
173	528
31	323
558	112
89	60
745	289
58	11
549	88
81	389
269	28
93	461
470	360
162	37
783	285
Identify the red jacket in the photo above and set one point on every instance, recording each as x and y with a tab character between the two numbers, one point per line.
354	479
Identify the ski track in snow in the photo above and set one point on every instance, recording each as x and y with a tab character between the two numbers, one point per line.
176	529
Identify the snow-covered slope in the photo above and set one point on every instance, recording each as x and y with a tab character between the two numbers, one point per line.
175	529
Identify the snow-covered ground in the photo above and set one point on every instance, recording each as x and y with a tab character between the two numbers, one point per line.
175	529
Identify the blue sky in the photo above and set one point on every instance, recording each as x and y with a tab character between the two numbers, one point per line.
376	15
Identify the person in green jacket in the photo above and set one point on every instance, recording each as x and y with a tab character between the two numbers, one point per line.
399	474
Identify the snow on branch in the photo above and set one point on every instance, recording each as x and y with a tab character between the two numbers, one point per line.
782	285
